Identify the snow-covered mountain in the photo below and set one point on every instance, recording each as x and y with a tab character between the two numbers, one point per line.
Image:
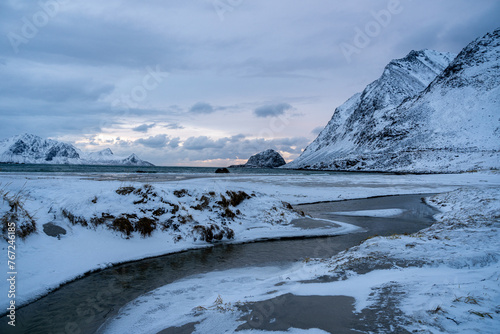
31	149
428	112
266	159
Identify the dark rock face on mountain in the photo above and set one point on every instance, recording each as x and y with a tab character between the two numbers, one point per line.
427	113
31	146
62	150
267	159
32	149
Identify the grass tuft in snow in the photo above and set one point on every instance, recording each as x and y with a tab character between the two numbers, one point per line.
123	224
125	190
75	220
13	211
235	198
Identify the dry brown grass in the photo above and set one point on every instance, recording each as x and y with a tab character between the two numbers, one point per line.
123	225
145	226
24	221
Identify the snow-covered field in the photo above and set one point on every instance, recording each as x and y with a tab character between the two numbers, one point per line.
449	281
188	213
109	222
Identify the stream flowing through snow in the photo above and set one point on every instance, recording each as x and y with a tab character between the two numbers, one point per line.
86	304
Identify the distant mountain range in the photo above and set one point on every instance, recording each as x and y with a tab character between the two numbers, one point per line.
428	112
31	149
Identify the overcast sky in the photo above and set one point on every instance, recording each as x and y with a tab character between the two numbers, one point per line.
207	82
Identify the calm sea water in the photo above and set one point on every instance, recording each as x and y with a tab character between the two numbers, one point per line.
39	168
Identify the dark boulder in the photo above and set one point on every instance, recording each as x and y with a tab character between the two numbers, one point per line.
222	170
267	159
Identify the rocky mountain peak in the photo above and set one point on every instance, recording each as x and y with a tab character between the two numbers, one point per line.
477	64
31	149
427	112
364	114
106	152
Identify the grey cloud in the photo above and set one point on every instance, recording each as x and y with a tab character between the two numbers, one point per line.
50	119
202	108
158	141
36	84
272	110
174	142
240	146
173	126
203	148
70	33
236	138
143	128
203	142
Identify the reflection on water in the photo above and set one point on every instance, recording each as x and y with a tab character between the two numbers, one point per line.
82	306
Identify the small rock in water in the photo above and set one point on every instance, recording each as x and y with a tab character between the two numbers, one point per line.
222	170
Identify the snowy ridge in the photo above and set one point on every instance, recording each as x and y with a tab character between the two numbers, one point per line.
31	149
420	116
359	122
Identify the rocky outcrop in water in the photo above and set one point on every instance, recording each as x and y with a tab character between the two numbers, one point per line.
267	159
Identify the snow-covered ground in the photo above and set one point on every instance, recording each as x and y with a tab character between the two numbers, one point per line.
447	278
103	221
190	211
297	189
